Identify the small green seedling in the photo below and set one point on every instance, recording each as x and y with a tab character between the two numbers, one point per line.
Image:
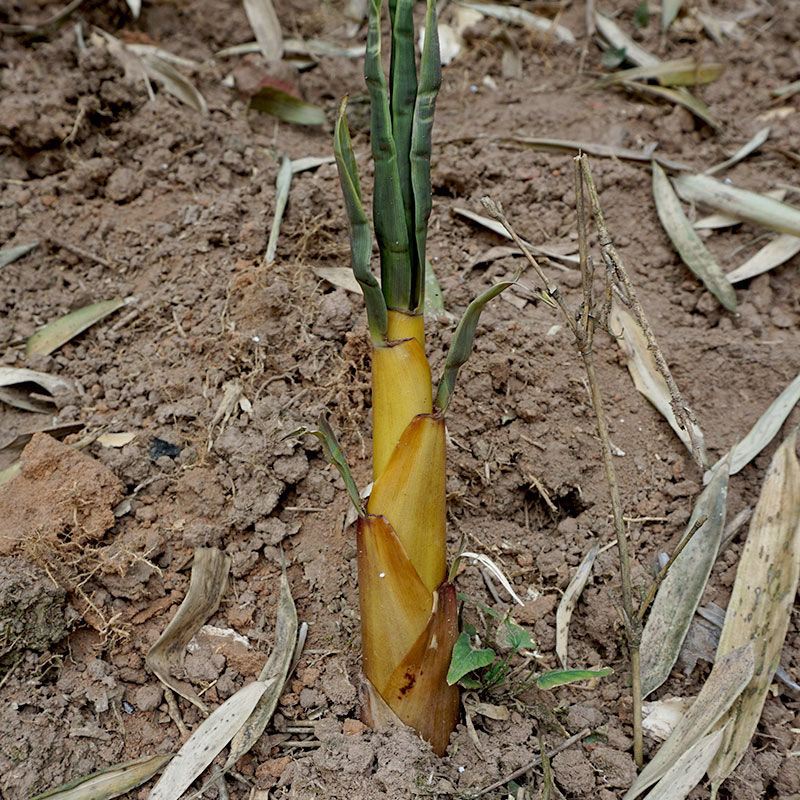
477	665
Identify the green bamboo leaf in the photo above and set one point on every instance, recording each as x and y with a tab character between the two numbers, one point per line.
558	677
688	244
430	80
335	455
387	206
434	302
740	203
52	336
467	658
641	16
108	782
680	592
403	83
360	236
286	107
461	345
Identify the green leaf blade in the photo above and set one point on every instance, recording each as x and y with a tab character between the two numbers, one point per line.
430	81
387	207
467	659
403	81
360	235
461	345
559	677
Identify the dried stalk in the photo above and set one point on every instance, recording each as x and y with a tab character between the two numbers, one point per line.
626	292
583	326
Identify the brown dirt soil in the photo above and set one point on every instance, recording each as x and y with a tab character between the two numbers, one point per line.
145	198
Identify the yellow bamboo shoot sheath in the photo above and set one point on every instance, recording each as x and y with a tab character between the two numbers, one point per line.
418	691
401	389
395	605
410	493
405	326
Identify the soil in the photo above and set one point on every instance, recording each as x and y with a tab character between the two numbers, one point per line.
145	198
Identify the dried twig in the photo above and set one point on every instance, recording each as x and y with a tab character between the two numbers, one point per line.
531	765
665	569
626	292
582	325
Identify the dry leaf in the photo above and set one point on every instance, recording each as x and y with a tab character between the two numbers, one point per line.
206	587
761	601
727	679
13	381
519	16
266	27
620	41
496	227
681	590
340	277
688	244
599	150
725	220
681	97
10	254
56	431
679	72
669	10
763	432
52	336
116	439
174	82
740	203
202	746
646	377
310	162
109	782
744	151
274	674
282	185
660	718
231	396
778	251
688	770
569	601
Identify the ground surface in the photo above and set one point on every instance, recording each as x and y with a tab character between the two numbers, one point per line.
142	198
